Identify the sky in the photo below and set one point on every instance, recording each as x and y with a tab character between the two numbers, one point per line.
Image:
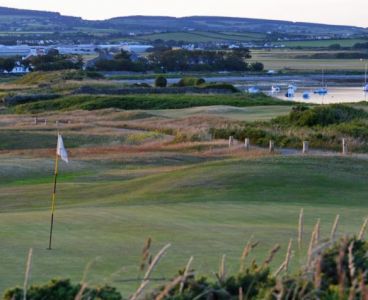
344	12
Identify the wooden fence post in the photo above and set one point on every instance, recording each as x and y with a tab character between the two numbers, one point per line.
272	146
246	144
305	147
344	147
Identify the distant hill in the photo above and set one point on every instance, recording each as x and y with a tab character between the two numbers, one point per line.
18	22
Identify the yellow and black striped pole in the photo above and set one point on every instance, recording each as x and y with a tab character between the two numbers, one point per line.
53	199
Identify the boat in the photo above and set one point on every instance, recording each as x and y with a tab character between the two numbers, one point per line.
306	95
290	93
365	87
275	89
293	87
254	90
323	89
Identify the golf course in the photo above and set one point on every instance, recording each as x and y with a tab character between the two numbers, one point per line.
124	185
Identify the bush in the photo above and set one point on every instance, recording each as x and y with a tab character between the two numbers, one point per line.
161	81
190	81
62	290
220	86
325	115
256	67
11	100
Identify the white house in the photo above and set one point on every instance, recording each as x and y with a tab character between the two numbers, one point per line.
18	69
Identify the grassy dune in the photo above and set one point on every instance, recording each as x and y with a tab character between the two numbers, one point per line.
107	208
131	102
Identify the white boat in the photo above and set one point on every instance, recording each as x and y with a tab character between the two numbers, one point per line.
290	93
253	90
293	87
323	89
275	89
365	87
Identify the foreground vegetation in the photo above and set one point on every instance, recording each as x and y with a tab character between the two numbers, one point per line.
335	270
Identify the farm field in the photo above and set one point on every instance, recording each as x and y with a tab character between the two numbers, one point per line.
124	185
323	43
204	36
287	59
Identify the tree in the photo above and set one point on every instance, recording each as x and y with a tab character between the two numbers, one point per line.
256	67
334	47
161	81
7	64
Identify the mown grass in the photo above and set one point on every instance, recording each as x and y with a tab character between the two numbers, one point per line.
204	210
165	101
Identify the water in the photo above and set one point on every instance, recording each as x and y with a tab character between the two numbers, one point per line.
334	95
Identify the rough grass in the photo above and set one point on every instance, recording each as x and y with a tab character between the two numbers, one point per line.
88	102
204	210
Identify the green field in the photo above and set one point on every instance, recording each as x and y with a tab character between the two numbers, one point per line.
204	36
322	43
287	60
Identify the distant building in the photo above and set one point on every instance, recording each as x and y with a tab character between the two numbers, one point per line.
19	68
102	55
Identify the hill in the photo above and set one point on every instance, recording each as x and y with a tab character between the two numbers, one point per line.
33	24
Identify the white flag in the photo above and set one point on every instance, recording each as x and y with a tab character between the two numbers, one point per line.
61	151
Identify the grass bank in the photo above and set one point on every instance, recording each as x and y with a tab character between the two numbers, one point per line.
130	102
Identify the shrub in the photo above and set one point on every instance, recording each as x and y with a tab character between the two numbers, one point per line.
12	100
325	115
256	67
62	290
220	86
161	81
188	81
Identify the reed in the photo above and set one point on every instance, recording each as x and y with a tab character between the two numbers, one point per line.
145	254
363	229
317	230
151	267
310	248
169	287
334	228
221	275
27	273
288	255
301	229
271	255
185	274
246	251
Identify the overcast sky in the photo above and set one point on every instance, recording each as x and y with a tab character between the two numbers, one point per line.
346	12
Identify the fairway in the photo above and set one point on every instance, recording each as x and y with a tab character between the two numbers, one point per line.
203	206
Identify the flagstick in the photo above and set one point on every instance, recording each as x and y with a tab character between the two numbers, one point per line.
53	199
